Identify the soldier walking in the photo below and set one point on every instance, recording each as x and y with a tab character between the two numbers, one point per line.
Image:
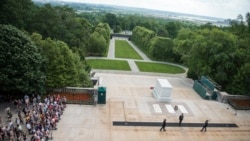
163	125
204	127
181	117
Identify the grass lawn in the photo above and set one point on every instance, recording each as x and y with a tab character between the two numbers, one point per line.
109	64
124	50
158	67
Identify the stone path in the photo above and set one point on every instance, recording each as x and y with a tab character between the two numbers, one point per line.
129	99
131	62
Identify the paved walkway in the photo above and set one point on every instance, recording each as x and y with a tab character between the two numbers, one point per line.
133	66
111	51
129	99
131	62
139	51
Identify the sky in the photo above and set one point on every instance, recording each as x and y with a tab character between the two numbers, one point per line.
214	8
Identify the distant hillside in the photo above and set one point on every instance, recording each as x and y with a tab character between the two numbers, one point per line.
83	7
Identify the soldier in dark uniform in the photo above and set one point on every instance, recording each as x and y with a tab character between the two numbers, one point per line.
204	127
163	125
181	117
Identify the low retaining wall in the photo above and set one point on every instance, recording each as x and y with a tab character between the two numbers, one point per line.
76	95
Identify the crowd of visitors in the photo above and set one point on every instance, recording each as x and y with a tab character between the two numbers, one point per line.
35	119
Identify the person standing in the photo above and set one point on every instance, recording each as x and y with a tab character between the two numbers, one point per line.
26	99
181	117
163	125
95	99
204	127
175	108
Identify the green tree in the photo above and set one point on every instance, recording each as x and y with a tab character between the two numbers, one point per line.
111	19
172	28
141	37
211	49
241	77
99	40
62	23
162	48
63	68
117	29
248	21
97	44
20	63
19	13
183	43
45	20
163	33
104	30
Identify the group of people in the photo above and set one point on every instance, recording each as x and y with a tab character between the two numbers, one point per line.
181	117
34	117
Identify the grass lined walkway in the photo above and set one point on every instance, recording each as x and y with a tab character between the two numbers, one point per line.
158	67
107	64
124	50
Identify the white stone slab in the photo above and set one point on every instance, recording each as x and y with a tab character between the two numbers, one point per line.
157	108
170	108
182	109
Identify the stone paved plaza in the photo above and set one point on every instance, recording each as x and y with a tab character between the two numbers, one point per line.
129	98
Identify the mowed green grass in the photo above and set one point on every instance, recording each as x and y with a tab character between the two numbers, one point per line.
109	64
158	68
124	50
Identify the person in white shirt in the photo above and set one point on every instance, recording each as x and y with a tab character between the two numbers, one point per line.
28	126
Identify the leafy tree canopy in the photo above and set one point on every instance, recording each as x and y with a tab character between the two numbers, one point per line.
20	62
62	67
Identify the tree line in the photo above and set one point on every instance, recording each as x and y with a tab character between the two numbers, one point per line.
44	47
61	39
222	53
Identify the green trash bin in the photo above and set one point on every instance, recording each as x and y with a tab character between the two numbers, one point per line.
101	95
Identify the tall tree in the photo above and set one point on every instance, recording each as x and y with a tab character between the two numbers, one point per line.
211	49
111	19
183	43
62	67
161	48
97	44
163	33
62	23
142	36
248	21
18	13
20	63
172	28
